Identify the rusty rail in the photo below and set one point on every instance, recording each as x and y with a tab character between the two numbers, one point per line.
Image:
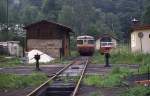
43	86
79	81
34	92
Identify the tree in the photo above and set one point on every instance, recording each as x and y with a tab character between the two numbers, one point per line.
50	9
146	16
92	17
3	11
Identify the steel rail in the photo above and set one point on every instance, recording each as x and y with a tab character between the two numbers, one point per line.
79	81
34	92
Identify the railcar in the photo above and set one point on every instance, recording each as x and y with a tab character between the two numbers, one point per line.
106	44
85	45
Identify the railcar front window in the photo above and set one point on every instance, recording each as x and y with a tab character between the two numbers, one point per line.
90	41
79	41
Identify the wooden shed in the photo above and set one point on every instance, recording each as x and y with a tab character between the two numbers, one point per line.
48	37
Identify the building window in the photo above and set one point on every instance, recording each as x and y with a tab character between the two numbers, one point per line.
149	35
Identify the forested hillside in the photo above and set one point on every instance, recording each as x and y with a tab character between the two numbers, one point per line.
93	17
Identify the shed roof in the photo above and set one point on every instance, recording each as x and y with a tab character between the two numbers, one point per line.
48	22
140	27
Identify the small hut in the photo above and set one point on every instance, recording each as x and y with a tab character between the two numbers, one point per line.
48	37
11	48
106	40
140	39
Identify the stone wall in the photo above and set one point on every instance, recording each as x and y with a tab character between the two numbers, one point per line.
50	47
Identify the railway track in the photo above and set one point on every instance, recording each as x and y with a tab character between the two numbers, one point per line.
65	82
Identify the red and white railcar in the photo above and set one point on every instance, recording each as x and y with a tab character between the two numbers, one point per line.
86	45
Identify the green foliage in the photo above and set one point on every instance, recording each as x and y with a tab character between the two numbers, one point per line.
129	58
73	43
9	62
146	12
137	91
146	16
3	11
93	80
97	58
143	69
92	17
122	57
74	53
113	79
16	81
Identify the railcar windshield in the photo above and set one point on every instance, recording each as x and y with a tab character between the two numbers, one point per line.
90	41
79	41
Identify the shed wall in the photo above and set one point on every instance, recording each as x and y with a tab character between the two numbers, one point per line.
144	43
50	47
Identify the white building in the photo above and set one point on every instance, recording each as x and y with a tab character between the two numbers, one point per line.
140	39
12	47
106	40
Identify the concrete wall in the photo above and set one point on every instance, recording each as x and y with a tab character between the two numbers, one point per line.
140	45
50	47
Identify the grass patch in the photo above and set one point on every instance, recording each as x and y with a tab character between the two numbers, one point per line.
9	81
143	69
94	80
74	53
137	91
97	58
111	80
122	58
9	62
129	58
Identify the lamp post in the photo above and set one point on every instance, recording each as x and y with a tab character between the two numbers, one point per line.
107	56
37	58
